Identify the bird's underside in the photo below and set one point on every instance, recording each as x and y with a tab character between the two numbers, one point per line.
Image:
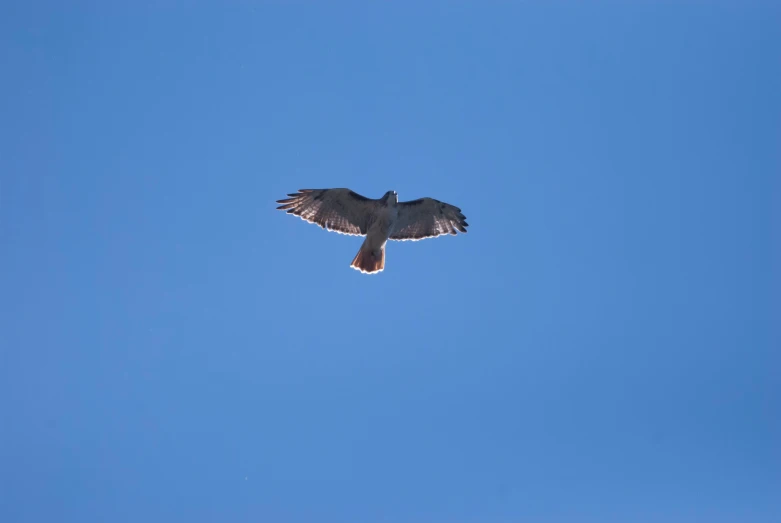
380	220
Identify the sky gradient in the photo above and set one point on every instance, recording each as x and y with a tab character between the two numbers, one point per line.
603	345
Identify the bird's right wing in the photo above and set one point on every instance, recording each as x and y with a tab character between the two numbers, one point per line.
340	210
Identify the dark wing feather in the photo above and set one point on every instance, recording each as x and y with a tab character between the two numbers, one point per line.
340	210
427	218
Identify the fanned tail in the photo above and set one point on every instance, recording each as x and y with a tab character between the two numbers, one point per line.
368	261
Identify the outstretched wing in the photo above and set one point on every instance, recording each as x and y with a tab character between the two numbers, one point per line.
340	210
427	218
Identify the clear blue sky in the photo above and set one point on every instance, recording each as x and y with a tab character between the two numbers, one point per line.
603	345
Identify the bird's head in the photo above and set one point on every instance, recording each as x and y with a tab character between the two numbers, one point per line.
391	197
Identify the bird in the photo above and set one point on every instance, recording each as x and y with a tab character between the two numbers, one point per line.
379	220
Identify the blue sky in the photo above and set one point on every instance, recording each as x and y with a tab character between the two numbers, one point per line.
601	346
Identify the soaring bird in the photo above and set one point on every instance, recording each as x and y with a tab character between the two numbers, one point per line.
347	212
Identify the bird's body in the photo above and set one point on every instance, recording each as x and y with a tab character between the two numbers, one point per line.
371	256
347	212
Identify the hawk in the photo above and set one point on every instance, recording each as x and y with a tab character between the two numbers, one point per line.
347	212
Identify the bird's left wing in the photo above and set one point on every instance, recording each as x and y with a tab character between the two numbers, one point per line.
340	210
427	218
